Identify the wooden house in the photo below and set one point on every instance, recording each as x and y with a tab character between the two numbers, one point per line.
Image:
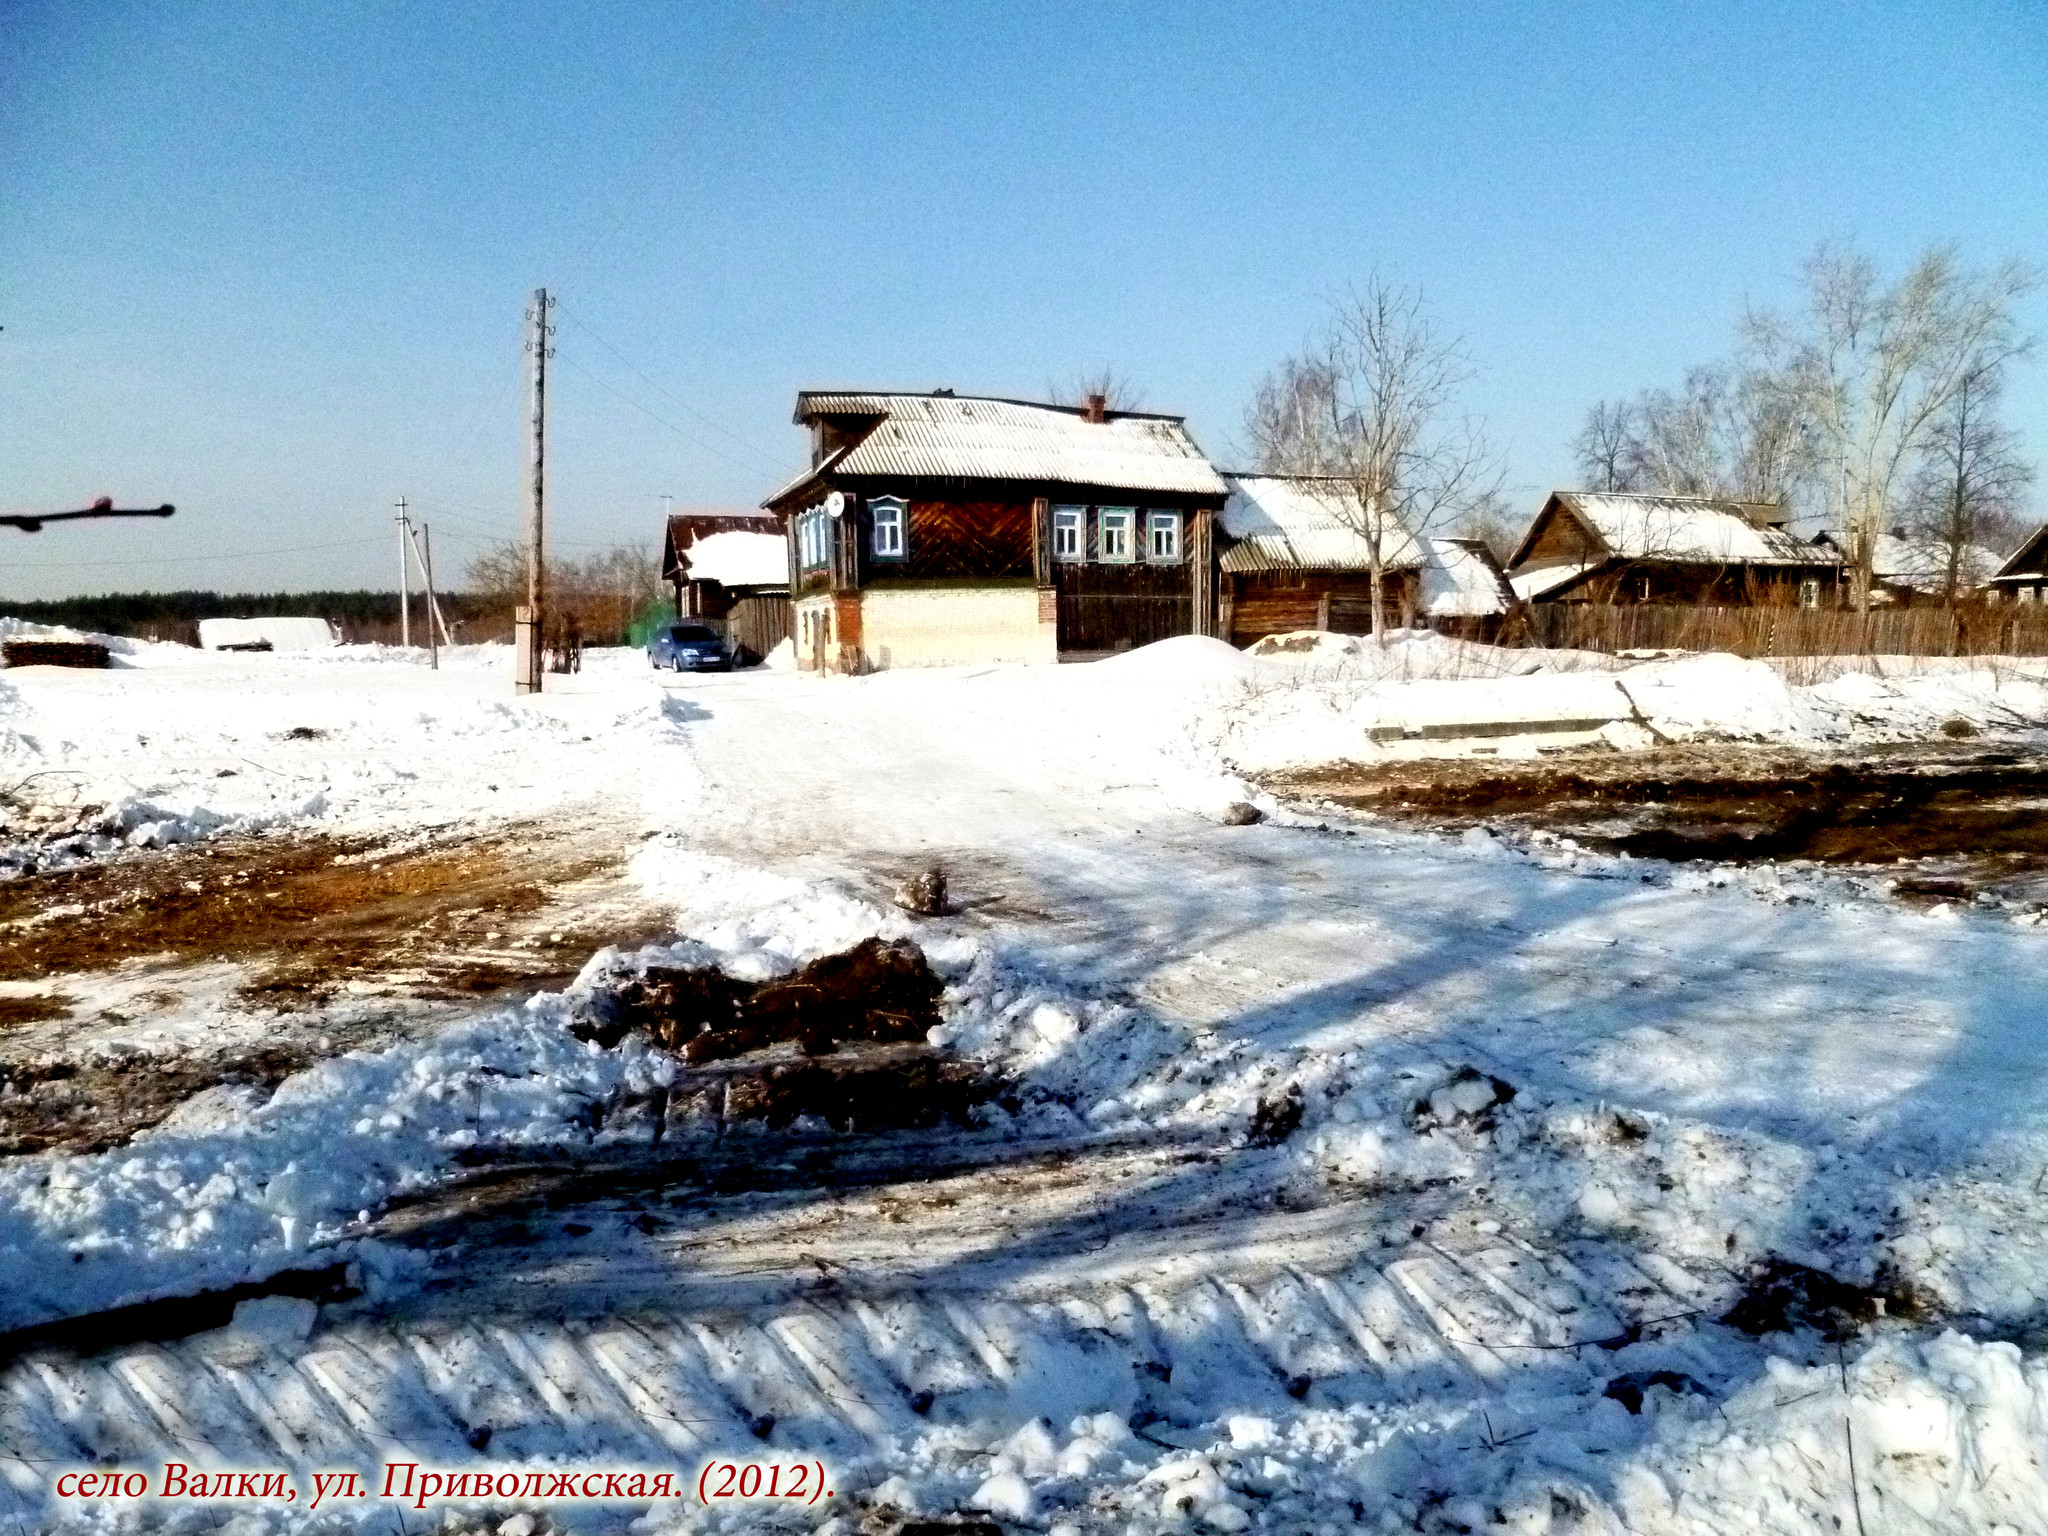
1613	547
1290	557
2024	577
940	528
1908	568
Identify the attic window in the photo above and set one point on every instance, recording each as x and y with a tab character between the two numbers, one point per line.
887	539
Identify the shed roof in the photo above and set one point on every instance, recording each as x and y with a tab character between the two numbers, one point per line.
977	437
1683	529
1463	580
2029	560
737	559
1299	523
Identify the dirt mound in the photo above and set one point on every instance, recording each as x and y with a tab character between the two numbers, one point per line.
1781	1297
881	991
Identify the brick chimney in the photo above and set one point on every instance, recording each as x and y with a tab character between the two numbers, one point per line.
1096	409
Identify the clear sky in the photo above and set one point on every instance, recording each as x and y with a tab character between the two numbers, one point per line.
269	261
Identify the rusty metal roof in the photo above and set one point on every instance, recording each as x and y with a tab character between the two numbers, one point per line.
982	438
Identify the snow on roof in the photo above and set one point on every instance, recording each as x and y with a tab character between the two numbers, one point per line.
735	559
1922	563
1537	582
1299	522
277	634
1462	580
977	437
1687	528
2025	563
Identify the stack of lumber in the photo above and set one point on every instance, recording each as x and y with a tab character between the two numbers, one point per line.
53	653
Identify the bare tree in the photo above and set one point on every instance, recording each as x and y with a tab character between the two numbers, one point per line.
1366	405
1119	392
1875	367
1606	448
605	591
1490	520
1968	488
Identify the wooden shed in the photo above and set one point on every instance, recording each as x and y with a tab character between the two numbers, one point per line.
1290	558
1615	547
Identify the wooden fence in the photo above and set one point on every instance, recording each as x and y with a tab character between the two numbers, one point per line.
2006	630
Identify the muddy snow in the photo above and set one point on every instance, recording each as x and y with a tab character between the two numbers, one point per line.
1453	1166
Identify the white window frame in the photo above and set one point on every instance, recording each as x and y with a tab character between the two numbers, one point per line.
1072	521
891	516
1168	523
1125	521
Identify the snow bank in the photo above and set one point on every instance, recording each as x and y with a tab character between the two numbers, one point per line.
1183	659
1323	699
253	1190
364	740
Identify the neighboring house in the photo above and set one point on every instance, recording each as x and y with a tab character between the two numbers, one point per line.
1611	547
2024	577
737	580
943	528
1291	558
1905	568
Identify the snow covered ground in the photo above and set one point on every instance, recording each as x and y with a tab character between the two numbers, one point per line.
1360	1178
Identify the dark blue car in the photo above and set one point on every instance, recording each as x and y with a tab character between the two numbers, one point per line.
688	648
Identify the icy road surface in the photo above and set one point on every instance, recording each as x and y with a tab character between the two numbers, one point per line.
1425	1306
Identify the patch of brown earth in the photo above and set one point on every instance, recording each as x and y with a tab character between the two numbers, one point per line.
311	921
1730	804
29	1010
313	912
90	1105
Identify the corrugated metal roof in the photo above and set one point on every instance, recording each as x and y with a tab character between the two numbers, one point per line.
1299	523
1688	528
978	438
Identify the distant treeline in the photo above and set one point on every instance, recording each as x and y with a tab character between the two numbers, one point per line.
176	615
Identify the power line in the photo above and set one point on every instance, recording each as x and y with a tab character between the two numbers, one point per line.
235	554
585	326
687	437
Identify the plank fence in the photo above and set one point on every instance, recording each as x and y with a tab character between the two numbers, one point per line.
1922	630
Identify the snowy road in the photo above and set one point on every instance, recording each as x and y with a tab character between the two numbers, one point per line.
1410	1313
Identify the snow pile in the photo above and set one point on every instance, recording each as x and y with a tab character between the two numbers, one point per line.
1330	699
248	1191
271	634
1183	659
366	740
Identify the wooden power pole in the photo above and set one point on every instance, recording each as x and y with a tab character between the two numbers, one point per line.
529	622
404	580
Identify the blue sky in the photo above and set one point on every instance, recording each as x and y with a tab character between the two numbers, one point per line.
269	262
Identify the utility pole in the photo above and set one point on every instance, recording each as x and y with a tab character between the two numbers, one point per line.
423	552
530	621
404	582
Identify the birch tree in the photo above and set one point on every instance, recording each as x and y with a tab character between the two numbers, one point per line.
1606	450
1969	486
1875	367
1368	405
